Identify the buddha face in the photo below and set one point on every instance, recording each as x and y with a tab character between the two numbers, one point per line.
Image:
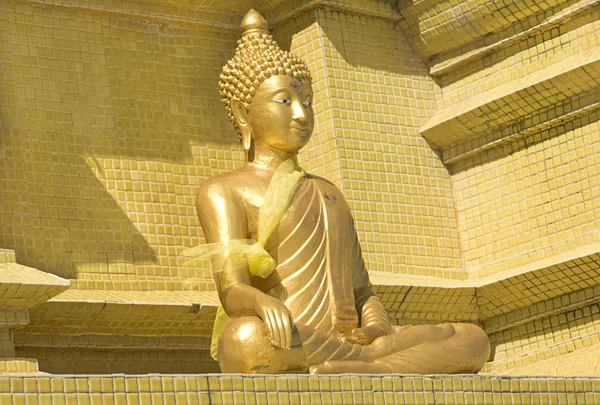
280	114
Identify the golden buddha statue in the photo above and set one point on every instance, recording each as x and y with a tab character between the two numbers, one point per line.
287	262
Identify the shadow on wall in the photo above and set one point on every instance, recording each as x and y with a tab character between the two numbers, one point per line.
366	41
359	41
55	212
130	94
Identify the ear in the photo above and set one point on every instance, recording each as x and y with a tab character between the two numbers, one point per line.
241	119
239	113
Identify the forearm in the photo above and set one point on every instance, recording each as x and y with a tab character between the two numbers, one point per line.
374	313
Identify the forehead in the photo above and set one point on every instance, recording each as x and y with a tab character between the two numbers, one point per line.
283	82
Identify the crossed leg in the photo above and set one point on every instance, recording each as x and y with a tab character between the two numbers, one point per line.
423	349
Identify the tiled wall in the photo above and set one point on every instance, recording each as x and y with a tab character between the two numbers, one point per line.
120	360
398	189
536	196
539	198
7	348
543	343
110	122
108	127
522	58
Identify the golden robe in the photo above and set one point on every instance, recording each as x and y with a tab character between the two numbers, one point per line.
320	274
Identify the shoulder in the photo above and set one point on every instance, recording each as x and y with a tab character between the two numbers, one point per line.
224	186
329	190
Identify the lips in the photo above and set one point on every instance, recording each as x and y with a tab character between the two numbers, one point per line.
302	128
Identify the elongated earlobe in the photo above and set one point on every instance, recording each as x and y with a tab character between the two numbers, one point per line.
246	138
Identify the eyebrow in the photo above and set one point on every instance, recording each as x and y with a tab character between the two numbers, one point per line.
282	89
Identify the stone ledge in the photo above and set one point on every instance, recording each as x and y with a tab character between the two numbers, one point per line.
26	287
200	18
436	28
219	16
499	301
541	340
374	8
552	121
305	389
562	361
447	62
18	366
127	313
512	103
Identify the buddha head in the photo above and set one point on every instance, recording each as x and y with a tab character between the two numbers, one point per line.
267	91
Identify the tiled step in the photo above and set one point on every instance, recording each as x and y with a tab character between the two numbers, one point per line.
516	102
581	362
298	389
434	26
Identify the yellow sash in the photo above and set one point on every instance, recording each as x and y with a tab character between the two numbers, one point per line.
260	263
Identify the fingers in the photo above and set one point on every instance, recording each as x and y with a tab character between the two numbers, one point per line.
359	336
359	333
280	330
284	325
272	328
287	331
279	325
356	340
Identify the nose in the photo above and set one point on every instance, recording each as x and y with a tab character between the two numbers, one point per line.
299	113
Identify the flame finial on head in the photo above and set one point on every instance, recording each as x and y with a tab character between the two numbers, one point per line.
254	22
257	57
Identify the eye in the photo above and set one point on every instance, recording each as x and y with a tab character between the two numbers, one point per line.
285	101
307	103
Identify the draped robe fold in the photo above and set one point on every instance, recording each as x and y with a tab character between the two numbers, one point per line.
320	274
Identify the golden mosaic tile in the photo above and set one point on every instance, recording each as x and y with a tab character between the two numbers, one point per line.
11	318
7	256
75	360
229	390
582	362
375	8
514	99
18	366
540	23
535	202
395	184
410	305
557	339
24	339
210	16
25	287
102	160
525	57
126	313
110	120
539	122
7	349
434	28
299	35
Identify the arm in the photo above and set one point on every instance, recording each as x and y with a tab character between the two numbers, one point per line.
374	320
223	218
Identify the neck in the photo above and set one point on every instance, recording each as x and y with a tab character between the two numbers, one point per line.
269	158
